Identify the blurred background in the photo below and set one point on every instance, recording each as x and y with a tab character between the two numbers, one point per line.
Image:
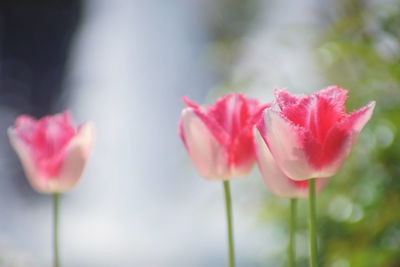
125	64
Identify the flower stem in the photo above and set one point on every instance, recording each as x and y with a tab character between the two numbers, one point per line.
228	204
56	198
312	222
292	239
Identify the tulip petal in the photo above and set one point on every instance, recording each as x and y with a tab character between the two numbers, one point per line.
294	107
190	103
242	153
231	112
206	151
342	137
356	120
280	184
285	99
38	182
76	155
211	122
336	95
276	180
292	146
318	112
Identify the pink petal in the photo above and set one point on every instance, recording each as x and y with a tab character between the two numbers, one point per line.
285	99
241	153
276	180
295	108
357	119
290	145
329	109
47	139
318	112
336	95
231	112
180	133
190	103
342	137
25	125
77	153
205	150
215	128
21	148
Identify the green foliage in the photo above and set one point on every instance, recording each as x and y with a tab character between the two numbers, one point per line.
359	216
359	212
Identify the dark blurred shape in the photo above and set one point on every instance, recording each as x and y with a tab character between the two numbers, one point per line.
35	37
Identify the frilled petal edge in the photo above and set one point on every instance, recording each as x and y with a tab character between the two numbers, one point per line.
278	183
290	145
342	137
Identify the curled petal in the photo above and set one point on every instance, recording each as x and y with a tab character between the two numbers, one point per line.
356	120
190	103
342	137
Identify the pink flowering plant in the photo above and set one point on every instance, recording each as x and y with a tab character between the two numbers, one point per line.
219	140
306	139
53	154
298	142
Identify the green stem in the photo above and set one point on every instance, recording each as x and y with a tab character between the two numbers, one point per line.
56	197
292	240
312	222
228	204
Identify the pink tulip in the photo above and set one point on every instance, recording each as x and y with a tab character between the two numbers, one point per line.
278	183
310	136
219	137
53	152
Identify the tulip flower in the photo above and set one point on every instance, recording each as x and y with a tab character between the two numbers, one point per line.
219	140
310	137
219	137
53	153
